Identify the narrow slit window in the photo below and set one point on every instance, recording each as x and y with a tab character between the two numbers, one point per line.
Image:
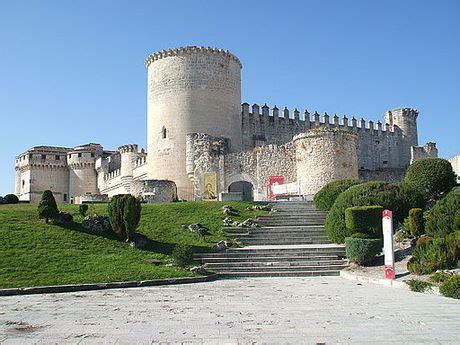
163	132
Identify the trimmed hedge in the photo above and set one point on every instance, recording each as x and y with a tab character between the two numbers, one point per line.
451	287
362	250
397	197
415	224
441	218
430	257
364	219
325	198
434	177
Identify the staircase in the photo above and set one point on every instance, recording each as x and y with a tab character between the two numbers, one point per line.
290	242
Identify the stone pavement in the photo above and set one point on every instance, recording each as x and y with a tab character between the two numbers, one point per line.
261	310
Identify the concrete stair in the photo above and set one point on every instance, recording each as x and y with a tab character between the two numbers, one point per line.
290	242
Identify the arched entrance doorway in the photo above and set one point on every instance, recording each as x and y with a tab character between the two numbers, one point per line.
243	187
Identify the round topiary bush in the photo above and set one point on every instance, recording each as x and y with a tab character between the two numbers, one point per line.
82	209
441	218
362	250
325	198
182	255
47	207
434	177
2	200
10	199
414	224
397	197
451	287
364	219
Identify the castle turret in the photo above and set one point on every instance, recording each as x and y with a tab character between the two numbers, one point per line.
406	120
190	90
129	156
82	170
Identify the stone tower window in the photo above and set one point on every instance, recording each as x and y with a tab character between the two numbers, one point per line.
79	155
92	154
58	157
43	156
163	132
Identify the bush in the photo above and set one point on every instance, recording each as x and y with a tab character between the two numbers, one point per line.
10	199
325	198
47	207
418	285
441	218
453	246
440	277
2	200
422	240
415	224
361	235
364	219
397	197
64	218
362	251
124	215
457	221
434	177
451	287
82	209
182	255
430	257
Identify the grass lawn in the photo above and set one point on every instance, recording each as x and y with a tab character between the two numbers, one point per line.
33	253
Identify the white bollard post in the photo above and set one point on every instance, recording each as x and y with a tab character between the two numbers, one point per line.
388	250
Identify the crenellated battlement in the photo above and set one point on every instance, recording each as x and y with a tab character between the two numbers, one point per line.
189	50
111	175
128	148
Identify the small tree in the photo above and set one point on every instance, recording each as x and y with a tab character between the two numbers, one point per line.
47	207
415	224
83	208
434	177
10	199
124	215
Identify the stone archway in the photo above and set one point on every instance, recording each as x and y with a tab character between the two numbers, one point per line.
244	187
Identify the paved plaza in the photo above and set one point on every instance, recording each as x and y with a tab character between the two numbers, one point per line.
260	310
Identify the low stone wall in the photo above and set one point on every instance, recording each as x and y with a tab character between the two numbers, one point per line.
391	175
91	199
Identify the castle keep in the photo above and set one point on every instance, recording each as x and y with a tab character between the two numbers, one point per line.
201	141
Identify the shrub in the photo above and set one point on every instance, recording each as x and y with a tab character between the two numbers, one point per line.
457	221
124	215
2	200
451	287
362	251
10	199
47	207
418	285
394	196
440	277
415	224
361	235
453	246
82	209
182	255
441	218
434	177
364	219
422	240
325	198
430	257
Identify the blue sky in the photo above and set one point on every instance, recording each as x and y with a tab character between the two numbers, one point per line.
72	72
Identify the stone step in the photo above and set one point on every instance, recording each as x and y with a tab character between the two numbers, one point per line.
241	274
265	268
272	253
282	229
270	223
312	263
265	258
288	241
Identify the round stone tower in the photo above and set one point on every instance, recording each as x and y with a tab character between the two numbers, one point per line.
82	171
325	155
406	120
190	90
129	156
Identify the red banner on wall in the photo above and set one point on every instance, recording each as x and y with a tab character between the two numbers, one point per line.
272	180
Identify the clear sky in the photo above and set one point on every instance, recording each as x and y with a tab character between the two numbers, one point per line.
72	72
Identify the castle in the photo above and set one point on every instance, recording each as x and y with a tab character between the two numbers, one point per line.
202	142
